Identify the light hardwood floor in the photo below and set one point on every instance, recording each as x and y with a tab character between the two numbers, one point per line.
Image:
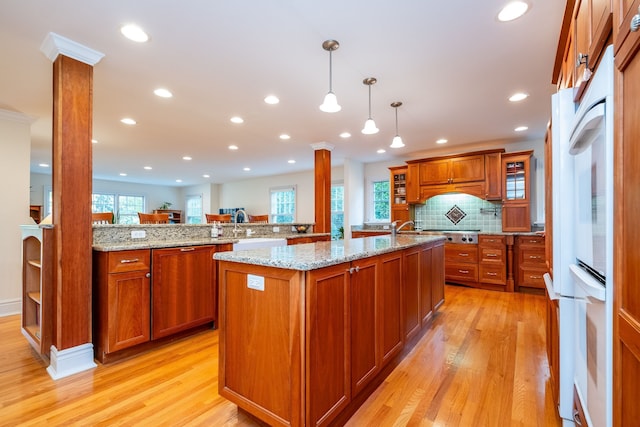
482	363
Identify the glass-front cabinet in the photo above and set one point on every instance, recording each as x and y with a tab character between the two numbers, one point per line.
398	189
516	203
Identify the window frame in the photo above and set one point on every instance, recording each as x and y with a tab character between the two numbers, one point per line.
273	214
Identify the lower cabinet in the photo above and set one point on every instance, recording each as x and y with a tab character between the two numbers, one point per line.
143	295
492	254
532	265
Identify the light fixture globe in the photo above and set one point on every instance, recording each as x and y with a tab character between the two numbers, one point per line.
370	126
330	103
397	141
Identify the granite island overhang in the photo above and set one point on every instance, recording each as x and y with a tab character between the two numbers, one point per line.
308	332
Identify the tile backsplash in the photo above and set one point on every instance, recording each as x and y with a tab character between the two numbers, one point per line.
471	213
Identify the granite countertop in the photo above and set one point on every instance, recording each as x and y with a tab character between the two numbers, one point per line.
312	256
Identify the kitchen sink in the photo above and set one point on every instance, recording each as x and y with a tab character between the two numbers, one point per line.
258	242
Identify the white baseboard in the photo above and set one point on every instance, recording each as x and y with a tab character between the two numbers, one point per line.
70	360
9	307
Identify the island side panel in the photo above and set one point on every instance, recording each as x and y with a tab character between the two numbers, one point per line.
261	348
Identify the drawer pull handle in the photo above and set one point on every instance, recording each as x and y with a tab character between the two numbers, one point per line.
535	277
535	256
489	273
463	271
463	254
187	249
129	261
533	241
492	255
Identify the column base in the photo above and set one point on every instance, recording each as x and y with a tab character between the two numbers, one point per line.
70	360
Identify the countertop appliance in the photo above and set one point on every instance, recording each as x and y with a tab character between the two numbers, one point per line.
467	237
582	169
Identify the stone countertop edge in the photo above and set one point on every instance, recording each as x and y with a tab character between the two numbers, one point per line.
158	244
312	256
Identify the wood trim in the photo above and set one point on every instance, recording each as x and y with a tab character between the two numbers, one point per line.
562	42
322	180
72	174
451	156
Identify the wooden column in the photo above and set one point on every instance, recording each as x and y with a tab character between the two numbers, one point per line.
71	181
322	179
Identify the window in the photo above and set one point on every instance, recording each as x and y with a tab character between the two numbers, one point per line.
283	204
337	210
103	202
194	209
381	201
128	208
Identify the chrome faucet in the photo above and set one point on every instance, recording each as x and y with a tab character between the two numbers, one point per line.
394	229
236	229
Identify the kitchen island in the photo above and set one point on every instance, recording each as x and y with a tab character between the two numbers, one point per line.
307	332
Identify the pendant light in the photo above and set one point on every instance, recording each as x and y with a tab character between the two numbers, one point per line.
330	103
369	126
397	141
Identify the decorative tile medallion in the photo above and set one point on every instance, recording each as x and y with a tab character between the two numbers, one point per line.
455	214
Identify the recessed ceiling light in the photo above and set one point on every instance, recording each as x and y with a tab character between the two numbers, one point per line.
271	99
44	165
513	10
135	33
94	141
233	147
285	136
148	168
442	141
291	161
178	180
345	135
236	119
206	176
246	169
186	157
128	121
381	150
518	96
521	128
163	93
123	174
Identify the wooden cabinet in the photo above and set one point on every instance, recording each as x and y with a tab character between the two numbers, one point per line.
452	170
35	212
37	287
516	205
461	263
121	300
308	239
493	176
184	292
357	234
531	263
437	276
492	253
626	250
413	183
175	216
398	188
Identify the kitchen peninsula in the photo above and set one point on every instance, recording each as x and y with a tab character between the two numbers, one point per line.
307	332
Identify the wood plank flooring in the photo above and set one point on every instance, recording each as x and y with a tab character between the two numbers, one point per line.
482	363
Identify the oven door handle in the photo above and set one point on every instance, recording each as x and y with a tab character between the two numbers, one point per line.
588	284
583	135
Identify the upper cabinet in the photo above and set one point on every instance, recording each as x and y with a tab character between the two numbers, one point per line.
516	210
452	170
398	186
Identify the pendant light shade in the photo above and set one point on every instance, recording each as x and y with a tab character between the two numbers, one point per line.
397	141
330	103
369	126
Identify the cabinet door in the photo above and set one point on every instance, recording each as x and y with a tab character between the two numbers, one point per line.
467	168
413	183
365	357
437	276
493	176
128	310
184	293
516	217
390	305
401	214
411	292
435	172
328	382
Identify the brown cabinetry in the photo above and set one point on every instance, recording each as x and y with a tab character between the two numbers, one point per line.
452	170
175	216
530	252
626	251
492	252
398	187
184	292
121	300
461	263
516	207
308	239
37	288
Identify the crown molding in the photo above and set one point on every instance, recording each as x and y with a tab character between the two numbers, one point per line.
322	146
54	45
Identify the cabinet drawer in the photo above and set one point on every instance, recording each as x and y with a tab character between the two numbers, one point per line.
491	240
123	261
460	253
467	272
492	255
531	240
532	256
495	274
531	277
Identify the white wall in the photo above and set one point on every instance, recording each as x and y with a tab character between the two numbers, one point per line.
354	207
15	145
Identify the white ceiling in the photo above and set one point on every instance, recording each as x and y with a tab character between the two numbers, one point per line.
451	63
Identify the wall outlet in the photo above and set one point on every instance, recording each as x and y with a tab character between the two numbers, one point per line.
276	229
138	234
255	282
385	227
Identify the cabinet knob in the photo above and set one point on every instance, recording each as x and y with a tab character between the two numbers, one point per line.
635	22
147	275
